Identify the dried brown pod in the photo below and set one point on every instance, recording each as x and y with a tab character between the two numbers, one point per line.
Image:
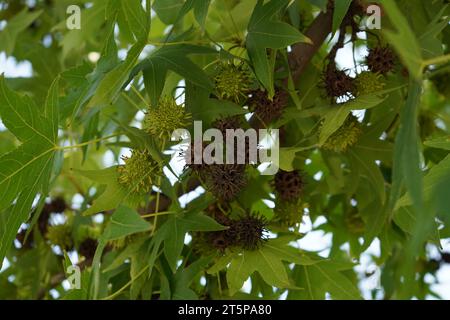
381	60
288	185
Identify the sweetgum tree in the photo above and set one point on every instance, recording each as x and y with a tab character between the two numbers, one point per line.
90	197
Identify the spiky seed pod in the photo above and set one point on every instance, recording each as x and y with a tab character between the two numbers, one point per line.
60	235
225	181
288	214
233	122
138	172
346	136
250	231
381	60
88	247
265	109
232	82
368	82
354	222
288	185
167	116
337	83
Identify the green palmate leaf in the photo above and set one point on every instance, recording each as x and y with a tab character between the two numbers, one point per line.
377	217
287	157
132	17
25	172
322	4
370	170
264	32
406	169
439	143
173	58
403	40
429	40
321	278
184	278
114	193
124	222
201	11
111	84
86	82
14	27
267	261
431	181
339	12
407	173
209	109
92	20
268	265
336	115
168	10
175	229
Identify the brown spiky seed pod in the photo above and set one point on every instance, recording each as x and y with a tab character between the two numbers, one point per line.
249	231
288	185
225	181
338	83
233	122
265	109
380	60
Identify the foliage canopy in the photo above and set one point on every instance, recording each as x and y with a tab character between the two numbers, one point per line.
87	175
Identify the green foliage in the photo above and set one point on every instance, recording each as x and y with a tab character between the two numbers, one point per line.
85	152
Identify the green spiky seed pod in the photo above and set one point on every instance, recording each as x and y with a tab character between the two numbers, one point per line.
165	118
288	214
60	235
232	82
138	172
346	136
368	82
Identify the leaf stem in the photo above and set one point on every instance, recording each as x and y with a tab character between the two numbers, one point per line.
87	142
136	91
154	214
437	60
129	283
155	222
